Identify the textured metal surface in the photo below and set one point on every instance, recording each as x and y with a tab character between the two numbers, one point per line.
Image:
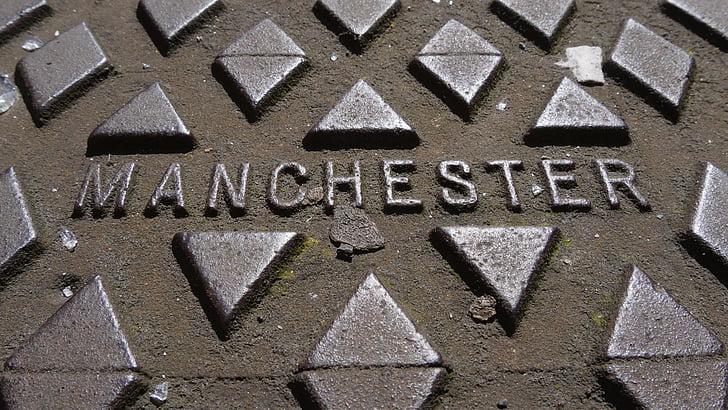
52	75
539	19
459	66
227	269
671	385
257	66
147	123
361	119
355	21
651	323
372	331
84	334
167	20
500	261
378	388
709	222
59	390
573	116
709	14
652	66
17	232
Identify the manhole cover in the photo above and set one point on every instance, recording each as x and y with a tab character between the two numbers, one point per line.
275	204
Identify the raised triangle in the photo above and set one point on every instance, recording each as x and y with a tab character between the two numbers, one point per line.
650	322
498	260
266	38
574	116
377	388
667	385
372	331
362	119
709	219
456	38
17	232
83	334
227	270
147	123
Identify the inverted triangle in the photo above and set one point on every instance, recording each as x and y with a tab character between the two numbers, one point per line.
651	323
258	77
228	269
83	334
372	331
500	260
148	122
464	76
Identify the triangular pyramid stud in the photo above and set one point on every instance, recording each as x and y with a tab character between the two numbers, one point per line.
372	331
707	230
146	124
17	233
539	20
498	260
167	21
667	385
256	67
58	390
355	21
459	66
229	270
83	334
572	116
650	322
361	119
378	388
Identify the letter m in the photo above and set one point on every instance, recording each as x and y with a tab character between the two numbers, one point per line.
100	196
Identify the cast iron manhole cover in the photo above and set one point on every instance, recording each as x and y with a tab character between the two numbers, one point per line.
363	204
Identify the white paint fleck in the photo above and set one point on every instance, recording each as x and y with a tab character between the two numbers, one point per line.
585	63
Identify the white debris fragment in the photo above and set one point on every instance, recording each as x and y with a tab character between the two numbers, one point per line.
585	63
536	190
8	93
67	292
57	33
32	44
334	57
160	394
68	239
145	66
502	105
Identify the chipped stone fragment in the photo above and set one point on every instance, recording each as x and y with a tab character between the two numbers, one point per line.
355	21
652	67
256	67
68	240
483	308
160	394
459	66
167	21
8	93
54	74
574	117
372	331
17	232
499	260
148	123
32	44
671	385
585	63
538	20
351	226
709	220
650	322
361	119
377	388
229	270
83	334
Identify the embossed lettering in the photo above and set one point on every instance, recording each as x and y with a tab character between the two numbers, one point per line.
298	172
235	199
122	181
563	181
514	204
452	175
401	184
624	182
173	196
352	183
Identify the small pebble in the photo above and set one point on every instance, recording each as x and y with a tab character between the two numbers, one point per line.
8	93
160	394
32	44
334	57
67	292
68	239
503	404
501	105
660	216
536	190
